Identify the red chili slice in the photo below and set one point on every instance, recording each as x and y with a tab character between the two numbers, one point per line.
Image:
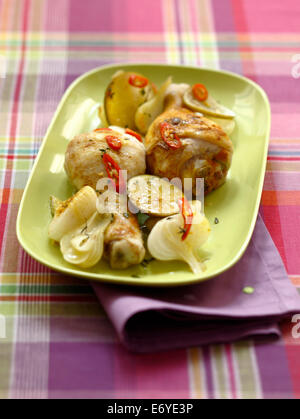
113	142
114	172
134	134
103	129
187	213
138	81
200	92
169	136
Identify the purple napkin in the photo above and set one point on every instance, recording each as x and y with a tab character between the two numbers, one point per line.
215	311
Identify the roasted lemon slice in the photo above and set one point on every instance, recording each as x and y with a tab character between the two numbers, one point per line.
226	124
209	106
124	94
154	195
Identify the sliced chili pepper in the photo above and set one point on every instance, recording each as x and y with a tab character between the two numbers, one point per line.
187	213
200	92
169	135
113	142
138	81
114	172
134	134
103	129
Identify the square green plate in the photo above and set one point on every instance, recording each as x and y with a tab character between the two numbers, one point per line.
235	204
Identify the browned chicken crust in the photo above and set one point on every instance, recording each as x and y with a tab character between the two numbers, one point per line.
206	150
84	158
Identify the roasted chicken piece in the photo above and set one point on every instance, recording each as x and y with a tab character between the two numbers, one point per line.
123	242
84	163
181	143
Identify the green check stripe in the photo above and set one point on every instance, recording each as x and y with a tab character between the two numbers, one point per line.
44	289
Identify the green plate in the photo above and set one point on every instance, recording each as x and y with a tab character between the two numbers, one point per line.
235	204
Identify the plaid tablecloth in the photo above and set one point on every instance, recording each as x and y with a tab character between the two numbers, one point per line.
59	342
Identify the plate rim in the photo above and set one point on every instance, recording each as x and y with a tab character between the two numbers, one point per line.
143	281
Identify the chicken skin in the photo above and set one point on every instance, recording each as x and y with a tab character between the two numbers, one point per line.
201	148
123	242
84	157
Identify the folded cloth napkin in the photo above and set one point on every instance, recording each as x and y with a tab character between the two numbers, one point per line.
216	311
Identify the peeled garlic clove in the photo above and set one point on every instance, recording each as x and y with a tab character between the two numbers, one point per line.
72	213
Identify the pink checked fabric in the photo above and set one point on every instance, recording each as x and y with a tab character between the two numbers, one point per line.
58	340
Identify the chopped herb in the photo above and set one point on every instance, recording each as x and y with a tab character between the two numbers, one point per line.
126	215
84	240
103	151
125	126
181	230
146	262
135	276
216	220
143	91
142	218
83	231
248	290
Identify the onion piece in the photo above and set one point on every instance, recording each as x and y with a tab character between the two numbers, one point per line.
164	241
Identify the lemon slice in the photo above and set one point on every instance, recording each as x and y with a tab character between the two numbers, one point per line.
227	125
208	107
154	195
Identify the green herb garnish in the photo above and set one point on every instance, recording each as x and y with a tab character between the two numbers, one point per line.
142	218
83	231
181	230
146	262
